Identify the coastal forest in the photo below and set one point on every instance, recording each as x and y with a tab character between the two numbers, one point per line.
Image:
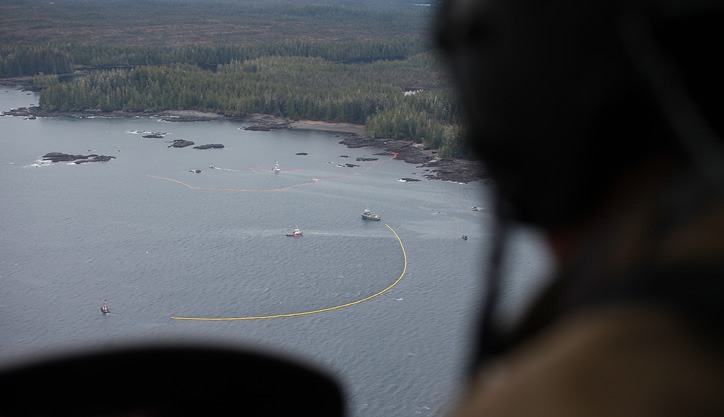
366	62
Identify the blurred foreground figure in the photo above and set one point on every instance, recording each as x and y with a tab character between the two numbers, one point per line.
601	124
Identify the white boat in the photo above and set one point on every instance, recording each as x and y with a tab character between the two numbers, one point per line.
276	168
105	309
368	215
295	233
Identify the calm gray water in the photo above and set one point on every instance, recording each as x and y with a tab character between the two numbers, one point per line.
158	241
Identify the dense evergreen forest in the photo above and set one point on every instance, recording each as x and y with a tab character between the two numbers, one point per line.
358	62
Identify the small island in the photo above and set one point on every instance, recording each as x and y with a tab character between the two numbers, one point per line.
77	159
180	143
210	146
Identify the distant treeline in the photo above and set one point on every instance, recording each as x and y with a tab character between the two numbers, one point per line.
23	60
405	99
395	88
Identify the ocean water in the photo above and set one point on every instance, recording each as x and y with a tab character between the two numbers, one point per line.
159	241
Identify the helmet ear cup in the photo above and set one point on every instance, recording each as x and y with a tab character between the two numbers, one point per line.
674	47
675	9
459	24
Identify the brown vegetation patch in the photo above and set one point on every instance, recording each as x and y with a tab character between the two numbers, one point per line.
179	22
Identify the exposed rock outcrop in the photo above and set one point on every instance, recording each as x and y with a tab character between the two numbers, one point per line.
77	159
210	146
180	143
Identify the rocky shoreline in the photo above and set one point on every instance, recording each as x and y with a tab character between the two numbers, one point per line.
436	168
352	136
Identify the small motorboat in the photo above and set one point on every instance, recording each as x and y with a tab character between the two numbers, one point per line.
368	215
465	237
295	233
105	309
276	168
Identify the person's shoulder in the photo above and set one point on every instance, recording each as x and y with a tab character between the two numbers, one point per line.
622	361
